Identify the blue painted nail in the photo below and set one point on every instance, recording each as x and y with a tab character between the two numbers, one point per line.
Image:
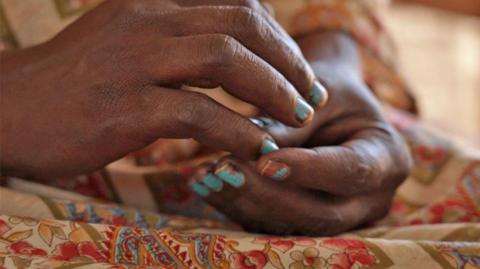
200	189
228	174
262	122
318	94
213	182
275	170
268	146
303	111
281	174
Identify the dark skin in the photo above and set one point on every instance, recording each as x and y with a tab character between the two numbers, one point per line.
92	97
344	168
109	84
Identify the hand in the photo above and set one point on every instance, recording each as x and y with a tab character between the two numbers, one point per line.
110	84
331	176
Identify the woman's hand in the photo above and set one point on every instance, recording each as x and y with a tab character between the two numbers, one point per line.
109	84
329	177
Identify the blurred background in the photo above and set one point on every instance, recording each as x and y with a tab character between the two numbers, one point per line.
439	50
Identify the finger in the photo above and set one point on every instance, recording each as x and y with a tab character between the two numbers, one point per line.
226	193
225	62
263	205
245	198
203	181
358	166
265	10
254	31
284	135
183	114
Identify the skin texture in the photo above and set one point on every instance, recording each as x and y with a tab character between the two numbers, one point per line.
110	84
331	176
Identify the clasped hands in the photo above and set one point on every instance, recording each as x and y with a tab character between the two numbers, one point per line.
337	173
110	84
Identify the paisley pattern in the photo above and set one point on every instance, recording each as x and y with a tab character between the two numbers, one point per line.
26	243
123	217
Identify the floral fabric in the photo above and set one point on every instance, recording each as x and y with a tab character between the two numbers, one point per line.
65	244
139	212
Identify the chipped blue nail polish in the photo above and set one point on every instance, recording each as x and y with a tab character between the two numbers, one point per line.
262	122
303	111
268	146
318	94
213	182
257	122
200	189
275	170
228	174
281	174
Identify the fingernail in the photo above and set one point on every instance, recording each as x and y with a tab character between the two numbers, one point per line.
213	182
262	122
200	189
303	111
230	175
268	145
257	122
275	170
318	94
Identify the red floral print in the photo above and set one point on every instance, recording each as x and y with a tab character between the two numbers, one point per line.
430	154
339	261
450	210
353	252
248	260
70	250
309	258
343	243
4	227
284	244
25	248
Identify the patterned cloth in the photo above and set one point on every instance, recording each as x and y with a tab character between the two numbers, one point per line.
139	213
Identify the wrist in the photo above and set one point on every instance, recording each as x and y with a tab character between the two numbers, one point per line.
15	67
6	125
333	56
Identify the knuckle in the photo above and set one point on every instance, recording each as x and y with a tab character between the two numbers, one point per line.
253	4
223	49
196	113
363	171
298	68
135	13
131	7
366	175
247	17
253	25
365	181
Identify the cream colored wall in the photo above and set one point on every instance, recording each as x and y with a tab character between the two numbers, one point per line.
440	55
